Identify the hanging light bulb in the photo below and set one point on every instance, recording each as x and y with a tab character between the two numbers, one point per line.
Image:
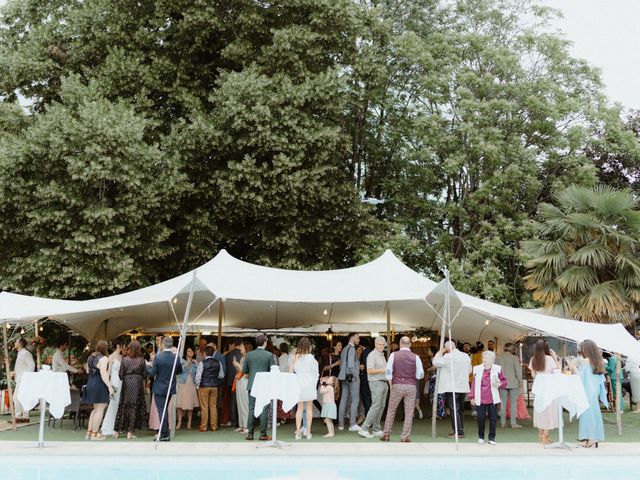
486	322
22	331
324	312
41	328
175	300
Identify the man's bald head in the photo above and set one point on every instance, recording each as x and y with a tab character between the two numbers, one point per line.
405	342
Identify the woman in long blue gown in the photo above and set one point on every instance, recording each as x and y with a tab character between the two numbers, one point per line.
590	425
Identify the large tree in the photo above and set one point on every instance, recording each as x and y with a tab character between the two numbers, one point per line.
85	202
584	256
479	115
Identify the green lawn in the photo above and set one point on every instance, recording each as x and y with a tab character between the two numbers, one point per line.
421	432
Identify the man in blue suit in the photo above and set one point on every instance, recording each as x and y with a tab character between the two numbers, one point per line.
160	372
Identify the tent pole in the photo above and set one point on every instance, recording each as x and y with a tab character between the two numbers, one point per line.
447	314
434	407
220	317
36	334
7	367
388	329
618	395
183	334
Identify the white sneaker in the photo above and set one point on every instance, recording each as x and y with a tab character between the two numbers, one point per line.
378	433
364	433
474	413
340	427
354	428
492	442
303	430
481	441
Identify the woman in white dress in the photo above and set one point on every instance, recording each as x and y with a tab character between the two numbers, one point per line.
242	394
115	359
305	366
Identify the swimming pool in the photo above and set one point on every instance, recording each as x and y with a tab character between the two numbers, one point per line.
42	467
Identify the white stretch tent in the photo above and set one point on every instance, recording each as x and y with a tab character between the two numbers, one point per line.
266	298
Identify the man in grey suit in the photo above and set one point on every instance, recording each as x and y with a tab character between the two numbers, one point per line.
160	372
349	377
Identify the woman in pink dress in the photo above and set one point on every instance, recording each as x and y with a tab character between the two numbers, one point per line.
543	363
186	395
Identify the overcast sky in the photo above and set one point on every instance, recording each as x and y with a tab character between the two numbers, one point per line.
607	34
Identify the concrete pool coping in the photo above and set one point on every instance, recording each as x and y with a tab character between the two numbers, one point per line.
310	449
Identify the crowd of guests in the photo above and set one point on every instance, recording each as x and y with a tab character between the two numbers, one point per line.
357	385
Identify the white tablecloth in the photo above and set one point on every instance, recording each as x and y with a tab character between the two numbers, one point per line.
275	385
53	387
568	389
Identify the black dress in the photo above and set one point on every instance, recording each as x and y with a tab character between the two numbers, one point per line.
132	409
96	390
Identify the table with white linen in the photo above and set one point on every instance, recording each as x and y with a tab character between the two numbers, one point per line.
44	387
271	387
567	390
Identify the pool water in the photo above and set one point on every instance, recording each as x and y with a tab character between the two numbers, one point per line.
151	467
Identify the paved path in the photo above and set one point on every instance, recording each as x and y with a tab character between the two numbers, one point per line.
311	449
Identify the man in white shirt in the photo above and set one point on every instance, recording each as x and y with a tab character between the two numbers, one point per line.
24	363
454	368
404	370
59	362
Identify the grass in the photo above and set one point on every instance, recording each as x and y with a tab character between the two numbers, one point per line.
421	432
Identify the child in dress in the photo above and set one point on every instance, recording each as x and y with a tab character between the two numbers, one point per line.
329	410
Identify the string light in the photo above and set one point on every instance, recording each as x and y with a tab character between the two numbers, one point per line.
325	312
486	322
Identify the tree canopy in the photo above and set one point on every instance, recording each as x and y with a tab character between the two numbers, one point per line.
158	132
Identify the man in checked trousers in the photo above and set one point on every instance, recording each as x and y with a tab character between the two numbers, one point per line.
404	371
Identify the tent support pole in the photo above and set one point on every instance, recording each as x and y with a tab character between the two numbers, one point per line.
434	407
388	329
36	334
618	395
220	317
183	334
7	367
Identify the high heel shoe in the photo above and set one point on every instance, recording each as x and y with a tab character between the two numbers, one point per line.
590	444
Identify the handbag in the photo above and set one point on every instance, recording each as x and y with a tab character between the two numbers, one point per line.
235	379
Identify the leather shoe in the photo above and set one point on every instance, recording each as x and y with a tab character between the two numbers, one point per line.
405	440
384	438
265	438
249	437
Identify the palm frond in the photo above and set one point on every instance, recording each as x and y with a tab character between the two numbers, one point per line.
625	260
595	254
603	302
610	203
577	279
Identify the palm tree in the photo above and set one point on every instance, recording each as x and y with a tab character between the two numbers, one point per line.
584	262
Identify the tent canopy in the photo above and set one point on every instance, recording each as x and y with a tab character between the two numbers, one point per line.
264	298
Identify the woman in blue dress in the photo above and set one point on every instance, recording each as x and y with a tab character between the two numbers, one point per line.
590	426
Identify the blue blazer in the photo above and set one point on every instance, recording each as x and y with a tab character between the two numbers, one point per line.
161	373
